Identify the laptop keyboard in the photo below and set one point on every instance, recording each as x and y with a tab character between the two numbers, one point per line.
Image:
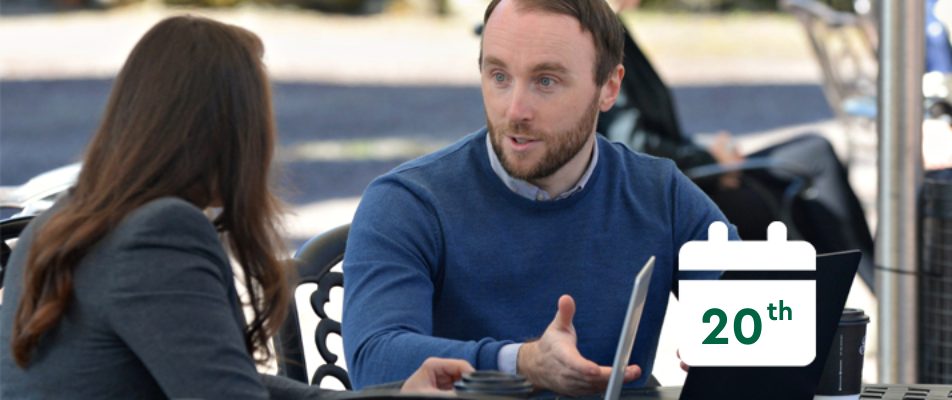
907	392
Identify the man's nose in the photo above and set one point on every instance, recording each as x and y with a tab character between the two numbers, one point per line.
520	105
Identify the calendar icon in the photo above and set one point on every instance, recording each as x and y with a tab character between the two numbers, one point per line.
760	313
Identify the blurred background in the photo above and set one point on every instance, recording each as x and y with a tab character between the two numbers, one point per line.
361	86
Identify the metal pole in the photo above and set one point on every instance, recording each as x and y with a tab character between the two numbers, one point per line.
901	67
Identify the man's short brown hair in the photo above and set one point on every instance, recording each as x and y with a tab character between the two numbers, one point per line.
595	16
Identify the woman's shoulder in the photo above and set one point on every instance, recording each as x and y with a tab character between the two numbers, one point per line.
162	228
165	210
168	217
162	239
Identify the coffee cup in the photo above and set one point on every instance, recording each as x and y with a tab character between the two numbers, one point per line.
843	372
494	383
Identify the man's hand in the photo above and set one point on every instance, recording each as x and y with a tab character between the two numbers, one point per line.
554	363
436	375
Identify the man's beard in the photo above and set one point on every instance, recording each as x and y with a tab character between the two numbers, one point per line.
560	147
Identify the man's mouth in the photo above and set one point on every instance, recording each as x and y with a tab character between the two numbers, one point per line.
521	140
522	143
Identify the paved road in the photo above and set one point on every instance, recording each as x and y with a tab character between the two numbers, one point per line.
45	124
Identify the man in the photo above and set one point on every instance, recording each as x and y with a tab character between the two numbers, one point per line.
463	253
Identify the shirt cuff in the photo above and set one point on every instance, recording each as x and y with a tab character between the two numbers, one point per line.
509	357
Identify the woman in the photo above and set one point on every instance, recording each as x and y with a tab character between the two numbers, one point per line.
123	289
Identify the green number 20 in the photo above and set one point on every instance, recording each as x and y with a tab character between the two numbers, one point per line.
738	319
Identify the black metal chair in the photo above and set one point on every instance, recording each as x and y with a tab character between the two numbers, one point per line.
314	261
9	229
845	45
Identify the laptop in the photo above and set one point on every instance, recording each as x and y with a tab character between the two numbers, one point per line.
834	277
626	342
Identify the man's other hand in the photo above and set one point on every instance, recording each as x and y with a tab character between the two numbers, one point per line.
554	363
436	375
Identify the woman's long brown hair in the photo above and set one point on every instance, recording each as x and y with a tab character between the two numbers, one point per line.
189	116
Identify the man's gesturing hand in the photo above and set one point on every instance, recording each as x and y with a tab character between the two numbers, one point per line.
554	363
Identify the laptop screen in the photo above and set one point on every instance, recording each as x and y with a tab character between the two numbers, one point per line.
639	294
834	277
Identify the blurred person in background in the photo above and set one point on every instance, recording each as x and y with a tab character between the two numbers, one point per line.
938	44
645	118
124	289
937	86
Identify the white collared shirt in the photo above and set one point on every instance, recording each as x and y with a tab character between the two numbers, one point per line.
533	192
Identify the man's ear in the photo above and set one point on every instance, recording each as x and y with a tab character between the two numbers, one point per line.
609	91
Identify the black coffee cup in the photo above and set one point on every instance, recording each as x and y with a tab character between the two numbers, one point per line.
843	373
494	383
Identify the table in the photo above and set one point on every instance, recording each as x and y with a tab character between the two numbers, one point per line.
870	391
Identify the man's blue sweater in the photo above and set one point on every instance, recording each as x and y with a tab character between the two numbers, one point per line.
443	260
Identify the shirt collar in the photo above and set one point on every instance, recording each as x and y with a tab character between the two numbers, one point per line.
533	192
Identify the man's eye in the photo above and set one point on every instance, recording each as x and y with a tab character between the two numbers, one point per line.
499	77
546	82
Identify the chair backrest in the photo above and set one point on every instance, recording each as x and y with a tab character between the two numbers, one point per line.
10	229
314	261
845	45
845	48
